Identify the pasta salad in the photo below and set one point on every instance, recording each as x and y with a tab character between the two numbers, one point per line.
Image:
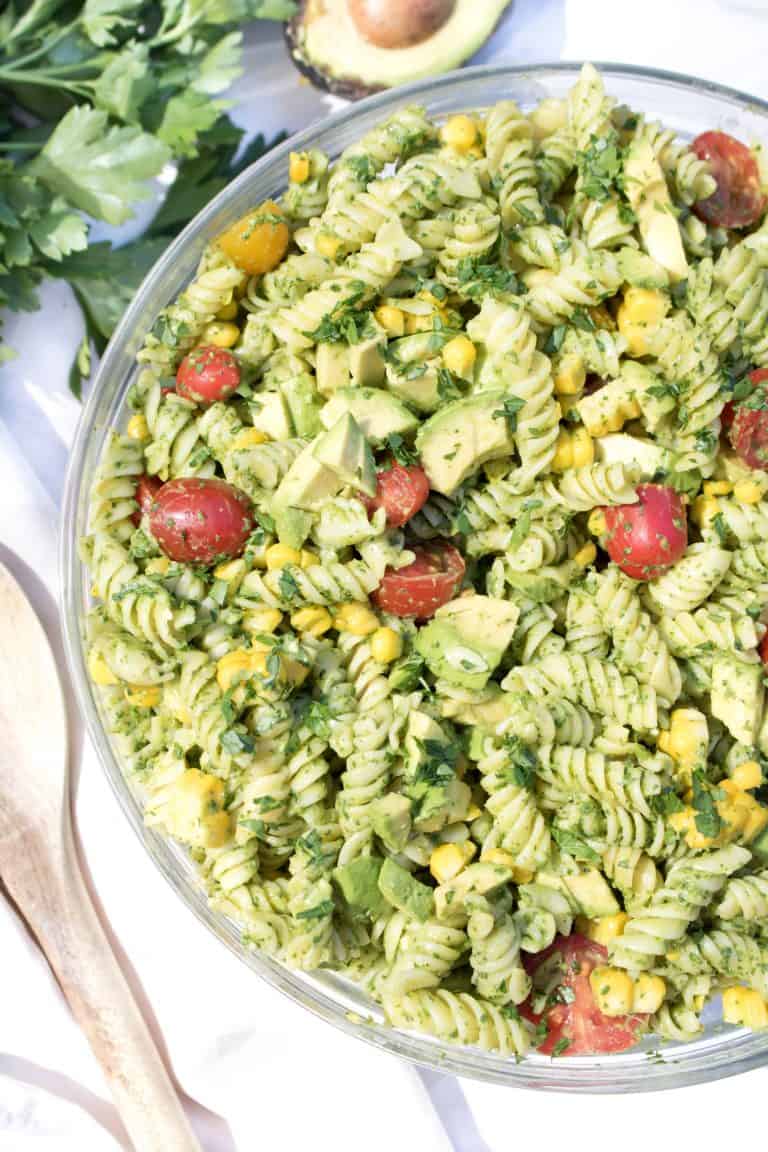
429	574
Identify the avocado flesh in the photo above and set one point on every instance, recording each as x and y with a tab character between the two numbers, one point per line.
345	450
358	882
327	47
400	889
651	202
592	893
463	436
466	639
378	414
392	820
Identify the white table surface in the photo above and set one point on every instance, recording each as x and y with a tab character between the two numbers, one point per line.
331	1092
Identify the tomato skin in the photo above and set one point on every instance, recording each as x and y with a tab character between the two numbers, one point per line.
207	374
738	200
146	490
748	430
422	587
646	538
259	240
764	650
197	521
578	1020
401	491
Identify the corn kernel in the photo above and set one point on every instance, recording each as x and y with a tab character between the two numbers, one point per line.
704	510
596	522
386	645
687	739
459	133
308	558
158	566
355	618
314	620
459	356
649	993
570	375
748	491
327	245
228	312
278	555
222	334
143	697
745	1006
229	571
99	671
747	775
503	859
563	457
446	862
137	428
585	556
603	929
641	311
583	448
238	664
298	168
684	823
249	438
717	487
391	319
262	620
468	850
613	989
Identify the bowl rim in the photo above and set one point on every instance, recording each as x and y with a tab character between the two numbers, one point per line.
616	1073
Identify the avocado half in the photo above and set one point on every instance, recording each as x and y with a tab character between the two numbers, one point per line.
327	45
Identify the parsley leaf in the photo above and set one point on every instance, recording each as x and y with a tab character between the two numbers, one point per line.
509	410
708	820
400	450
318	912
523	762
575	846
236	741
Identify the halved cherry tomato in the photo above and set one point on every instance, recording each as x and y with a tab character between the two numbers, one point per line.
764	650
422	587
573	1022
146	490
401	491
207	374
198	521
748	429
259	240
738	200
646	538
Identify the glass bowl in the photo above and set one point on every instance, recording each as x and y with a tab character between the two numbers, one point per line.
685	104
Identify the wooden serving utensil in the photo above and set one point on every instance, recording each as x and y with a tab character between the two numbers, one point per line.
41	871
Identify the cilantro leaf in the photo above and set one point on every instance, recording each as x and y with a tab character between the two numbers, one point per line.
708	820
187	116
574	846
236	741
318	912
522	764
125	84
509	410
400	450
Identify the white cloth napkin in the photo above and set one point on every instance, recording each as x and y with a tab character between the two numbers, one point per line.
260	1071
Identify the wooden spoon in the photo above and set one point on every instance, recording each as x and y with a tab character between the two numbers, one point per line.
41	871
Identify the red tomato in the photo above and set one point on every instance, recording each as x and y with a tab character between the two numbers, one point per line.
199	521
764	650
401	491
422	587
646	538
207	374
748	429
574	1023
146	490
738	200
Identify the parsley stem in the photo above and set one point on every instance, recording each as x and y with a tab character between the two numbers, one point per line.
43	80
46	45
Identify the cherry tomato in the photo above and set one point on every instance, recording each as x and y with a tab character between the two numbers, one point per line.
764	650
146	490
646	538
738	200
574	1024
259	240
748	429
198	521
422	587
207	374
401	491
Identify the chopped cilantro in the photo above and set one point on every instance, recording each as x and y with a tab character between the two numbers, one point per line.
509	410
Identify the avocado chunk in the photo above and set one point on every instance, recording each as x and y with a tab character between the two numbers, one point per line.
270	414
366	363
392	820
358	883
461	437
306	483
592	893
378	414
292	526
737	695
640	270
400	889
432	785
476	879
421	391
331	368
353	49
303	403
646	456
485	713
466	639
345	450
648	194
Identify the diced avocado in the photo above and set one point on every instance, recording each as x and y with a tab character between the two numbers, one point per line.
737	695
392	820
461	437
466	639
306	483
648	194
647	389
487	712
477	879
640	270
759	847
270	414
421	391
331	368
378	414
366	363
404	892
544	586
443	804
292	525
303	402
345	450
635	451
592	893
358	883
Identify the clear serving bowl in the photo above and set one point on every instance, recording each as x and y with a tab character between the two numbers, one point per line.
687	105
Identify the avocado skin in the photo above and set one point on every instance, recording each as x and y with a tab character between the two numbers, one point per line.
347	87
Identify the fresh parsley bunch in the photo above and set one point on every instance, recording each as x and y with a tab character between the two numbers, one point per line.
95	99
